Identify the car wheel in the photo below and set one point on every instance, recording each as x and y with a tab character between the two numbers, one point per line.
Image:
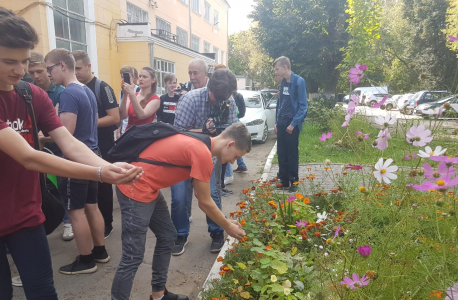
409	112
389	107
372	103
265	133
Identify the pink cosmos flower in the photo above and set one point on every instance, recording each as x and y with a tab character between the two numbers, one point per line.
366	135
385	121
452	38
355	99
452	292
292	198
365	250
442	171
419	136
353	167
301	223
382	141
347	120
356	282
377	105
446	159
442	183
325	136
357	73
337	232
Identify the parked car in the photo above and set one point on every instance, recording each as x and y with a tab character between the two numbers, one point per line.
392	102
269	94
425	97
370	98
403	102
362	90
260	114
426	109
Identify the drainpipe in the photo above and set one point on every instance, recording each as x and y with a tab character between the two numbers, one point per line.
190	25
151	55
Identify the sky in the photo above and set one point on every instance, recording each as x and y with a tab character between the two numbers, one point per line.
238	13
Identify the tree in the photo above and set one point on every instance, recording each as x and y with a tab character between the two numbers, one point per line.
309	32
247	58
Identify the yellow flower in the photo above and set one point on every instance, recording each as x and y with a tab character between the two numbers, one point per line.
362	189
273	278
287	291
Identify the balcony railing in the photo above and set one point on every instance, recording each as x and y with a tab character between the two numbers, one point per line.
165	35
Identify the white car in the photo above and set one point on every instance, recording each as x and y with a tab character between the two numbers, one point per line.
260	115
392	102
370	98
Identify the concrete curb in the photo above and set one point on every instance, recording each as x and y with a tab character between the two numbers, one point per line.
214	271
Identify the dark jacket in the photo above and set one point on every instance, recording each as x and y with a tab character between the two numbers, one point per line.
298	96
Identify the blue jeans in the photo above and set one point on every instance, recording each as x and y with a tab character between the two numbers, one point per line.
229	172
30	251
182	198
241	163
136	218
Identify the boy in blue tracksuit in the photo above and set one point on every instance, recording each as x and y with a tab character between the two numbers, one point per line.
291	111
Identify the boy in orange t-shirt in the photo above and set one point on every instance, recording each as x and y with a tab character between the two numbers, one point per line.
142	204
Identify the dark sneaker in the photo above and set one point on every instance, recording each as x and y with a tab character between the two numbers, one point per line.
178	248
227	191
292	189
217	243
171	296
238	170
77	267
108	231
101	258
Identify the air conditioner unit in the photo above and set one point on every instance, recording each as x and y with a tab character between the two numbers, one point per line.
153	3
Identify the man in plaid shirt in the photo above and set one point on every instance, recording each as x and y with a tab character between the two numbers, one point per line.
193	113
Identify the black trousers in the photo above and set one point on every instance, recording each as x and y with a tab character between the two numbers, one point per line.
105	193
223	174
288	152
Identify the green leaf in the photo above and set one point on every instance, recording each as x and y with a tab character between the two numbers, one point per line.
279	266
230	267
257	242
298	285
277	288
250	235
285	242
264	261
256	288
241	266
250	262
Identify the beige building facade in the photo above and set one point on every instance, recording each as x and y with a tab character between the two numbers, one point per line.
162	34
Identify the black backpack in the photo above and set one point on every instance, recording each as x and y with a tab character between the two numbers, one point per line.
129	146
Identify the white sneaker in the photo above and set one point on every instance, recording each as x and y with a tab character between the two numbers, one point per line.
190	219
16	281
228	180
68	232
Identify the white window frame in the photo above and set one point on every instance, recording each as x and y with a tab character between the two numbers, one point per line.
184	36
216	51
142	18
91	37
207	49
223	58
193	42
216	19
185	2
207	11
162	67
195	6
163	25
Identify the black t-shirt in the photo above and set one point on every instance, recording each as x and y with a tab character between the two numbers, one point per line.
166	112
107	101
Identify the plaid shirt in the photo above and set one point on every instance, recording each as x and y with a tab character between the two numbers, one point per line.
194	109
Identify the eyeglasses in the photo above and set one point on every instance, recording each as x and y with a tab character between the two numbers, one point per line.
49	69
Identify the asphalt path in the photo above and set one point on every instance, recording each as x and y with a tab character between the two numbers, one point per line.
187	272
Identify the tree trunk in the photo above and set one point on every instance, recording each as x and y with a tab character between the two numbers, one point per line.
331	85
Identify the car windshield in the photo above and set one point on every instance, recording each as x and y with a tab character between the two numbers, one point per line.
252	99
417	96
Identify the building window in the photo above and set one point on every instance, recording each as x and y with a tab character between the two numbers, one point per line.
206	47
216	19
182	37
163	25
216	51
223	58
184	1
69	24
195	43
207	10
135	14
162	67
195	6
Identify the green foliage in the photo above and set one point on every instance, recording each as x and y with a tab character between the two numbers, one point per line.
321	111
309	32
247	58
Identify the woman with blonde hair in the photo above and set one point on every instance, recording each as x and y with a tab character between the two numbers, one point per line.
140	107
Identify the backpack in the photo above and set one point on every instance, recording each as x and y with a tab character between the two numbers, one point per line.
98	84
129	146
51	204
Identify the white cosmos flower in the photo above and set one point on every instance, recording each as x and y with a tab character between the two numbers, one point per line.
321	217
386	120
287	291
385	172
429	152
273	278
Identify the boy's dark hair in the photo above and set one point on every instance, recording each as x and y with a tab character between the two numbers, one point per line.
127	69
15	32
222	83
169	77
282	61
81	55
240	134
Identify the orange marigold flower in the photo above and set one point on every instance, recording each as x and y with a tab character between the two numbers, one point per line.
317	234
243	222
268	247
220	258
437	294
299	196
222	273
232	250
243	239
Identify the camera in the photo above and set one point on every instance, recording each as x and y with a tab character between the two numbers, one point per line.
220	116
183	87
